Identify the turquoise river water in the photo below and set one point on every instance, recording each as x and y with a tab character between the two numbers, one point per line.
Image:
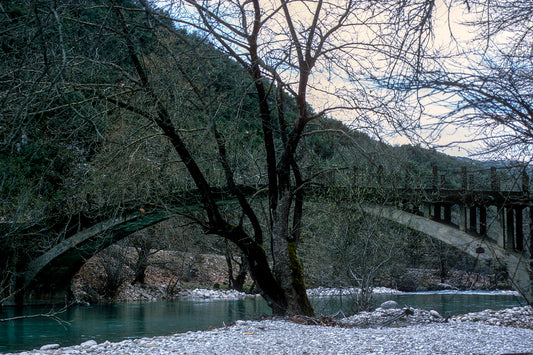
135	320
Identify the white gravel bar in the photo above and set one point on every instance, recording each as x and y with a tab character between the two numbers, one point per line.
285	337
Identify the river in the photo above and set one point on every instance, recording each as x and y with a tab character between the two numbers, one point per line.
115	322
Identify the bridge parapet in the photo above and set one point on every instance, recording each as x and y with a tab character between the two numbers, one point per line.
513	178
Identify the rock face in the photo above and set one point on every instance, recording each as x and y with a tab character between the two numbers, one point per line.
170	274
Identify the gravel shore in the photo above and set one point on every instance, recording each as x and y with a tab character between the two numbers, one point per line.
283	337
431	335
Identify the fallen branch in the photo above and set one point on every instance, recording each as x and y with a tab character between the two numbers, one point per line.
52	315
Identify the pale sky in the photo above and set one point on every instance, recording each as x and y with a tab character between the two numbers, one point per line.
449	33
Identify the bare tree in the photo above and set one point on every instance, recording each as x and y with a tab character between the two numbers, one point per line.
291	51
345	247
482	82
284	46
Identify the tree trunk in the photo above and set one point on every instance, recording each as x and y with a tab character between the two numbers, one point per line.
231	280
142	263
238	283
261	273
287	268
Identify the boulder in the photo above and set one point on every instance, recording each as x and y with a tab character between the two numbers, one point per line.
389	305
435	314
88	344
50	347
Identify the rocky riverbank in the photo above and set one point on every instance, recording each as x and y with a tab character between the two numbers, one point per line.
520	317
389	314
173	274
151	293
427	334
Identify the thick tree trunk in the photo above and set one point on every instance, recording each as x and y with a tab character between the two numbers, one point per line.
287	268
261	272
241	276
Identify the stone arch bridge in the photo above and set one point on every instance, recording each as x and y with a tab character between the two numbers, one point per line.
491	224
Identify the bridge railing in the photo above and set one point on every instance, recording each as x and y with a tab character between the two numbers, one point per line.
513	178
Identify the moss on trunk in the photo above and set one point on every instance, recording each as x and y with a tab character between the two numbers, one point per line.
298	283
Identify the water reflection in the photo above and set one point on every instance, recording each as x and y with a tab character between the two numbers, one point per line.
135	320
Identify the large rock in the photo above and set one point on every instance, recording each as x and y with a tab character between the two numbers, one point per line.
50	347
389	305
88	344
435	314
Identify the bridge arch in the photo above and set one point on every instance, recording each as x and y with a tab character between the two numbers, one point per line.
518	265
47	279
